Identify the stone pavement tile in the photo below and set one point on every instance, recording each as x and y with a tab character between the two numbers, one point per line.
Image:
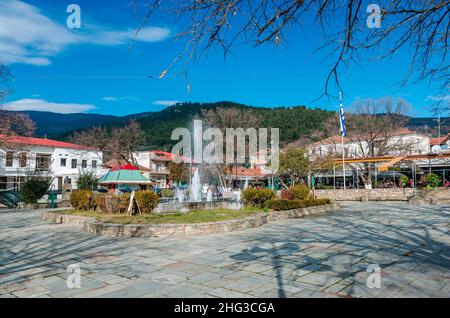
312	267
205	277
218	283
185	290
226	293
336	288
251	284
32	292
360	290
427	284
389	291
258	268
135	288
160	261
318	279
165	278
307	293
108	290
276	293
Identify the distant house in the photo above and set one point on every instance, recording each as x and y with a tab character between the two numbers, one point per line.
61	161
155	165
403	142
442	142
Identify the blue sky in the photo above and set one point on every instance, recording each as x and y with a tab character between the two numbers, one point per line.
92	69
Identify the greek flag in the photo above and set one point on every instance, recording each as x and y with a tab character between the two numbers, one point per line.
342	121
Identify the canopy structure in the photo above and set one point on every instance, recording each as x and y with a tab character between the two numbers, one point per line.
124	175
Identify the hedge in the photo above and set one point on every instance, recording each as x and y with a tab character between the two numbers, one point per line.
106	203
146	200
257	197
167	193
82	200
279	205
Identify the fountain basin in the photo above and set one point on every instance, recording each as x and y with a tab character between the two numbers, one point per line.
187	206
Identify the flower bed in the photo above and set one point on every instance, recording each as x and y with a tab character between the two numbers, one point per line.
93	226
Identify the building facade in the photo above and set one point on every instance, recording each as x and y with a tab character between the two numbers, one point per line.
404	142
61	161
155	165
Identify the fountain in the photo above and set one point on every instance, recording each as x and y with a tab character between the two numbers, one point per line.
196	187
209	194
197	197
194	196
179	194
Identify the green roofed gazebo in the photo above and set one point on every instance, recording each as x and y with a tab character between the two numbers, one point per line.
124	175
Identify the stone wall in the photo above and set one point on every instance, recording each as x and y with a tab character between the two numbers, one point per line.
393	194
439	196
91	225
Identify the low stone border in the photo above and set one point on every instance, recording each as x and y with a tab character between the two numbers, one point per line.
91	225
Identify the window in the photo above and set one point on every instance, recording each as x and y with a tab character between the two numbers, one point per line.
9	159
23	160
74	163
83	163
94	164
63	162
43	161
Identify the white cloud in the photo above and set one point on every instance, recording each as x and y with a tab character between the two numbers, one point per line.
27	36
110	99
166	102
118	99
43	105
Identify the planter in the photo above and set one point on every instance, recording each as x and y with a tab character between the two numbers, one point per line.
91	225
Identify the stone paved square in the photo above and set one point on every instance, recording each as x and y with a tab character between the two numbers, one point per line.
323	256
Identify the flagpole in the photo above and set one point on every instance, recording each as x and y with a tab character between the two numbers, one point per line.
343	158
342	138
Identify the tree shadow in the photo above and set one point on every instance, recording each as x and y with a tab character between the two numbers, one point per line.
392	236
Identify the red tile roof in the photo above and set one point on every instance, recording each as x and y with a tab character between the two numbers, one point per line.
44	142
246	172
168	156
114	164
439	141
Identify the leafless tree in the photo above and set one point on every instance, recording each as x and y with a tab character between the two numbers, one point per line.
229	117
11	123
375	129
422	26
118	143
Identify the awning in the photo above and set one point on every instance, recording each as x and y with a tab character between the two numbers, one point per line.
124	176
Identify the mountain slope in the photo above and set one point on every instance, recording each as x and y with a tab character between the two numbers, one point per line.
54	124
294	122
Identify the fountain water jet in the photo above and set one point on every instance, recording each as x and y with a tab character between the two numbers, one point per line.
196	187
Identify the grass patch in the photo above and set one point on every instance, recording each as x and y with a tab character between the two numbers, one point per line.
198	216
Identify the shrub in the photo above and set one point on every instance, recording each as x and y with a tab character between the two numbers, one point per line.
123	201
299	192
431	180
34	189
167	193
100	202
87	181
146	200
82	199
279	205
287	194
257	197
404	180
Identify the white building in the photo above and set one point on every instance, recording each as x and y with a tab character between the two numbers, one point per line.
404	142
62	161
